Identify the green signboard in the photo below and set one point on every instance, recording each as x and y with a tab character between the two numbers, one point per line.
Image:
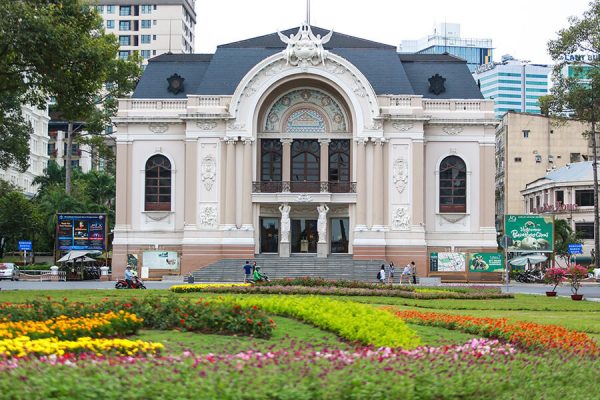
529	233
486	262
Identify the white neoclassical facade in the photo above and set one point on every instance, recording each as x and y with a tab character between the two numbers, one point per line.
304	143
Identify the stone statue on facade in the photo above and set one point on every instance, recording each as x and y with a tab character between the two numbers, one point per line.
304	47
285	222
322	223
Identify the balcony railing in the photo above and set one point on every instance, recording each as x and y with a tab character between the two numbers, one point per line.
303	187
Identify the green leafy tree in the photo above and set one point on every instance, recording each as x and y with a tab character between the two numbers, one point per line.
58	48
563	235
578	96
15	219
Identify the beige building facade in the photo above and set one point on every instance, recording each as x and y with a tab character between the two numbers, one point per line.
304	143
527	147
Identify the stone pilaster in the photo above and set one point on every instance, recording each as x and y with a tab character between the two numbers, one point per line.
230	192
378	197
361	185
418	183
247	185
324	164
191	178
239	183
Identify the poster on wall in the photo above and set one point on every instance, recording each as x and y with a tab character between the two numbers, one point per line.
528	233
81	232
448	262
486	262
160	260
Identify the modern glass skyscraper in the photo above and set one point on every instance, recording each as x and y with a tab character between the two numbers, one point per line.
446	39
514	85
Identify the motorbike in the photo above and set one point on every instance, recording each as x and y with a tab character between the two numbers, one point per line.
263	278
137	284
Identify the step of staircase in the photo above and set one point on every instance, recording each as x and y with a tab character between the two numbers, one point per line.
332	267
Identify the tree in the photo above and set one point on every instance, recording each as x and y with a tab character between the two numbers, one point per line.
15	219
58	48
578	96
563	235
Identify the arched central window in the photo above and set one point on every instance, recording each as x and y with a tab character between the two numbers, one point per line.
453	185
305	165
158	184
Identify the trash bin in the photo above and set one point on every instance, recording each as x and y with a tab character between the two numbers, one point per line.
190	279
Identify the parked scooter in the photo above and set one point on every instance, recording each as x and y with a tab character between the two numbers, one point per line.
137	284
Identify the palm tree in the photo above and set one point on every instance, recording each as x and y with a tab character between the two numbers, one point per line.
563	235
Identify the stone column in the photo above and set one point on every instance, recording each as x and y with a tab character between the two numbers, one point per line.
286	163
222	179
361	185
418	183
239	183
122	184
324	163
191	179
247	185
370	184
230	192
378	197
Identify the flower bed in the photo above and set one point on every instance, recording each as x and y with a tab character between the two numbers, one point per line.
525	334
65	328
156	312
24	346
200	287
465	372
352	321
376	290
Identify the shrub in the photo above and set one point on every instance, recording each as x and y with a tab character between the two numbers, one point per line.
352	321
554	276
576	274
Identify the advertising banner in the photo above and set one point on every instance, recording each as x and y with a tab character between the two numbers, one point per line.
486	262
160	260
448	262
529	233
81	232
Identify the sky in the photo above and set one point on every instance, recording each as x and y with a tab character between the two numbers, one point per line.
521	28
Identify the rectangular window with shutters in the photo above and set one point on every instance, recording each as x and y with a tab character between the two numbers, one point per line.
584	198
559	196
584	230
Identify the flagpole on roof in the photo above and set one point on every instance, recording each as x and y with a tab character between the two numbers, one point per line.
308	12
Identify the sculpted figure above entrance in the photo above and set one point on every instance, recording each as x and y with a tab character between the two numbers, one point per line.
304	47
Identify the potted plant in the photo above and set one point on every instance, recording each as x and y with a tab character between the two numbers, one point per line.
554	276
576	274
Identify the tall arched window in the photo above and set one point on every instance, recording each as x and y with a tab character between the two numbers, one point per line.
158	184
305	165
453	185
271	156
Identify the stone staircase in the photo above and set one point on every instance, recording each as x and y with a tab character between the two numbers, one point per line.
332	267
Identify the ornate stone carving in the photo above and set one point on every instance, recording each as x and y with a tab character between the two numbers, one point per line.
158	127
402	126
157	215
452	130
322	223
453	218
233	126
304	47
335	68
400	174
208	172
400	218
206	125
375	126
208	216
304	198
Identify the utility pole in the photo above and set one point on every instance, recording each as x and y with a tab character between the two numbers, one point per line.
595	172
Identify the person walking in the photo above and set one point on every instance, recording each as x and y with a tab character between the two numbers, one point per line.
381	275
413	269
407	272
391	271
247	272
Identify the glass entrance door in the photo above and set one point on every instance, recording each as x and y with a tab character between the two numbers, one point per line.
339	235
269	235
304	236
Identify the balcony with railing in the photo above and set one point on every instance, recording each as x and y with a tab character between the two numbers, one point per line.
303	187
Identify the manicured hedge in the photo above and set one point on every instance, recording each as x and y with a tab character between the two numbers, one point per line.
343	291
352	321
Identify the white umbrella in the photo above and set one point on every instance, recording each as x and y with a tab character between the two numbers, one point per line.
530	259
81	259
75	254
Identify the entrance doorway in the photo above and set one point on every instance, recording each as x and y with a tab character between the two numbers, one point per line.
339	235
269	235
304	236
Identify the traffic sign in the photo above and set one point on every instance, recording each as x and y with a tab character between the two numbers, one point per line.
575	248
25	245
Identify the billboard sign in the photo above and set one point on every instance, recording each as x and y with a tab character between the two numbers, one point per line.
25	245
529	233
81	232
448	262
160	260
486	262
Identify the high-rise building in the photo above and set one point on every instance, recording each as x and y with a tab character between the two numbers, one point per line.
38	153
514	85
446	39
527	147
150	27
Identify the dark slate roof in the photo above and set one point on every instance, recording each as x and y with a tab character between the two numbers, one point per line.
387	71
154	84
338	40
459	82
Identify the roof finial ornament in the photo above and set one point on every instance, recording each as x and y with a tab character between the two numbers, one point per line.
304	47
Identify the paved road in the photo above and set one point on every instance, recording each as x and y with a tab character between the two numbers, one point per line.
589	290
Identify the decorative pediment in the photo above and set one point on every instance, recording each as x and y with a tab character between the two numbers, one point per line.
304	48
